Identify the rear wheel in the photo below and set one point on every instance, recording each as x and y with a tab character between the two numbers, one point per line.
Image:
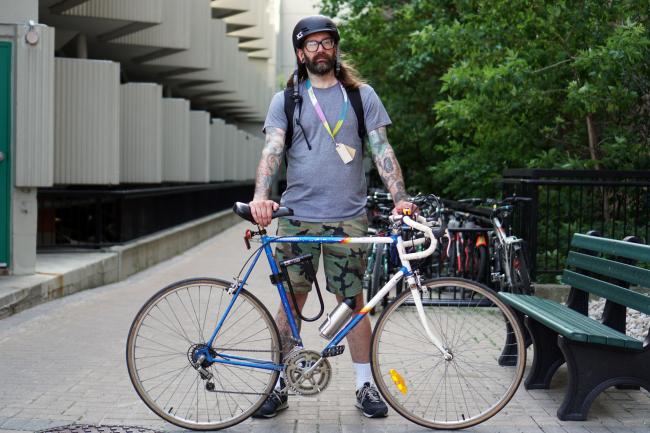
479	331
170	333
520	271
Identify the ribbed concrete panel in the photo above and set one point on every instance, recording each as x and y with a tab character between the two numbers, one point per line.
176	140
217	150
198	55
34	157
199	146
86	121
242	146
141	133
148	11
172	32
217	55
230	156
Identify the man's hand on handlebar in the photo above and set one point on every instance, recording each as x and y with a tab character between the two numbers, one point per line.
403	204
262	210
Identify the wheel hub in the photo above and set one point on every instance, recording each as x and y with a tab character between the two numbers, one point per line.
199	352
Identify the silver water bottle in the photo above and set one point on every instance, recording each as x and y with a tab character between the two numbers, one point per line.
337	318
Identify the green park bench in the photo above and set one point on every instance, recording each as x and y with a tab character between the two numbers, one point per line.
598	353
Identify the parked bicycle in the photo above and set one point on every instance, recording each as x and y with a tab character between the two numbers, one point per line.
510	259
205	353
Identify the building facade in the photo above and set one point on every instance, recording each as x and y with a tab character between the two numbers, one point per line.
105	104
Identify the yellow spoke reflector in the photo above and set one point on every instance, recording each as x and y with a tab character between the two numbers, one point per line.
399	381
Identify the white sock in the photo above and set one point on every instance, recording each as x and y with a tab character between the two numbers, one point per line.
363	374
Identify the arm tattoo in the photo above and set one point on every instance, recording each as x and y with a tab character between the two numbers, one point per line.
269	163
384	158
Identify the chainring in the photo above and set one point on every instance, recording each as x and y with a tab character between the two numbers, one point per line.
299	377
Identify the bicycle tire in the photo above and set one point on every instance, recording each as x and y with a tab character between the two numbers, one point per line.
519	271
163	336
481	384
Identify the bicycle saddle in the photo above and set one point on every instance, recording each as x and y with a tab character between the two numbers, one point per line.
244	211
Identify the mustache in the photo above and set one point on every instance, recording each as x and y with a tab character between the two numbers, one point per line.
322	56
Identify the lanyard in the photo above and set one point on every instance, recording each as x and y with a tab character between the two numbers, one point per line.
321	115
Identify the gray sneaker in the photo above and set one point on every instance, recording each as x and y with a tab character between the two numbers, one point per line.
370	402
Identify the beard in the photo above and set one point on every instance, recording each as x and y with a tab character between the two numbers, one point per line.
320	68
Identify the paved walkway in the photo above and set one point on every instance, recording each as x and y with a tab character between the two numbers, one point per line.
63	362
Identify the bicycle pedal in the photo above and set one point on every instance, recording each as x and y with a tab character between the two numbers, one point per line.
333	351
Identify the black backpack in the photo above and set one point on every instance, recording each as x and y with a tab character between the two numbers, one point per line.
290	105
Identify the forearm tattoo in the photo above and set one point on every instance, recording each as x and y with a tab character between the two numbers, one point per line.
387	165
269	163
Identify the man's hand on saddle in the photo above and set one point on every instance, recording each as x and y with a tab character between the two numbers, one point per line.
403	206
262	210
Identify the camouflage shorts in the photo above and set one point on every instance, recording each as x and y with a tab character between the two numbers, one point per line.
344	264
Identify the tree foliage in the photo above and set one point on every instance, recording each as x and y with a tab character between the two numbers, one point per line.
477	86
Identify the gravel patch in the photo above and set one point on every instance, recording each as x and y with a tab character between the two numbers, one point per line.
636	325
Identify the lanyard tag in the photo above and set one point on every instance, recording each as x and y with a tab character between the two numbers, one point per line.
346	153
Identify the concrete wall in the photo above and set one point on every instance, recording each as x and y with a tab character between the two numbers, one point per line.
18	11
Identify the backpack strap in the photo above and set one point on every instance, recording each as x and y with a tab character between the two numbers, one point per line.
357	106
289	108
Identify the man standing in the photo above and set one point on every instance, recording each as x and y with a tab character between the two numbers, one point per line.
326	185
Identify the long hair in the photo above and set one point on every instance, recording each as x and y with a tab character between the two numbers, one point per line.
348	76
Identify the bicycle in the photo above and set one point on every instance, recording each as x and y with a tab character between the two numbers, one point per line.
205	353
510	269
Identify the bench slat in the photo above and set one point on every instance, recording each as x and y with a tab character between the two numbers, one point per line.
618	294
610	268
568	322
563	320
613	247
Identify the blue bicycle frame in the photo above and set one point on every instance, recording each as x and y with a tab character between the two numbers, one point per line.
266	247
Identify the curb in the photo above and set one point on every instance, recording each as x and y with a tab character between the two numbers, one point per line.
111	265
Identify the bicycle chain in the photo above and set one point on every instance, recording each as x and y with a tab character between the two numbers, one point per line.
226	349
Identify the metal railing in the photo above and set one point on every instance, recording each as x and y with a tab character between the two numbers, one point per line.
95	217
615	203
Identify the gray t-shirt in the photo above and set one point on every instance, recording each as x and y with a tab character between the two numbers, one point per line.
320	187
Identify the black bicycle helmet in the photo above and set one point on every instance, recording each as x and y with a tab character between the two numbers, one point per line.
311	25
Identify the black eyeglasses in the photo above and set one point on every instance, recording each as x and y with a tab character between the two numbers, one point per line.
312	46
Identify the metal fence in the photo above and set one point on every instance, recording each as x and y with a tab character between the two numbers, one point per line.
615	203
94	217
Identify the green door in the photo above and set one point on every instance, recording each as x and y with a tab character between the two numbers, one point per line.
5	147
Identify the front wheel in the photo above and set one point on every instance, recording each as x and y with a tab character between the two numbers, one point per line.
169	334
477	329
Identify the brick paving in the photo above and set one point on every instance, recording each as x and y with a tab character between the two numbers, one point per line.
64	362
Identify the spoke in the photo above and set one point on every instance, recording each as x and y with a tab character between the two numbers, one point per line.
165	388
196	314
173	349
207	307
188	313
244	340
174	330
182	332
177	319
163	374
